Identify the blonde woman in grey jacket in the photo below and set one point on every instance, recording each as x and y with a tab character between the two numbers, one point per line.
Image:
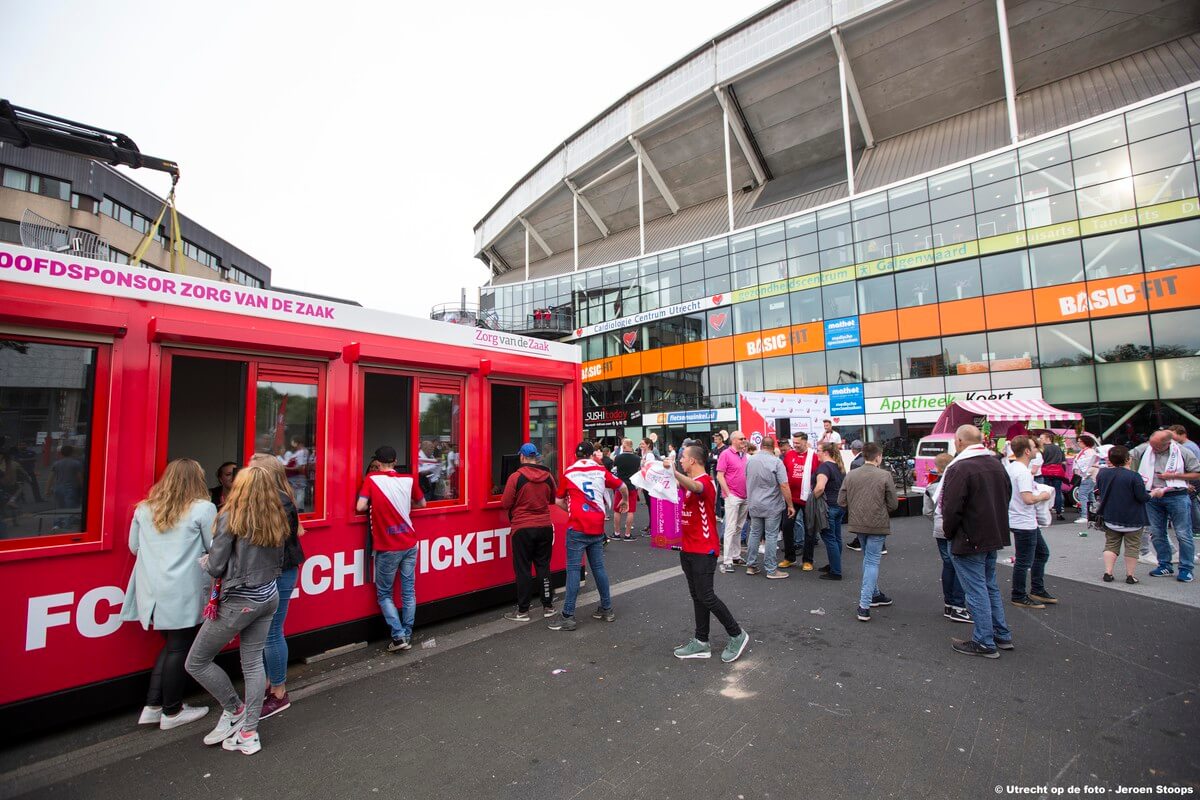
245	559
170	530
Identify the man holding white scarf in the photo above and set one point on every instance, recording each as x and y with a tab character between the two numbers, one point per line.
1166	468
801	466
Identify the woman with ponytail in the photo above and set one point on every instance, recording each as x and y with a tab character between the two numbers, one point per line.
244	560
275	653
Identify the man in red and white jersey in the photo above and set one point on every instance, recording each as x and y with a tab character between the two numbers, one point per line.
583	493
701	549
391	497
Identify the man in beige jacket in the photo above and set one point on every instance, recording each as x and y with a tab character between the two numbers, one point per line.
869	495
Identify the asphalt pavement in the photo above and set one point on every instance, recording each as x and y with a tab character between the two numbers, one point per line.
1102	691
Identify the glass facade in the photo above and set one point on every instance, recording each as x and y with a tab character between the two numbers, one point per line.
1067	267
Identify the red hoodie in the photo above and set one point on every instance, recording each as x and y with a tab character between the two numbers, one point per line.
530	507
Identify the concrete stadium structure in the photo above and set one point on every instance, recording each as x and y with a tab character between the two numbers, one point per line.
992	196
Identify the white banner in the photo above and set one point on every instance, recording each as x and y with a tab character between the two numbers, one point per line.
690	307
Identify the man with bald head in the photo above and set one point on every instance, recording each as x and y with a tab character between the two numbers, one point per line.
974	499
1166	467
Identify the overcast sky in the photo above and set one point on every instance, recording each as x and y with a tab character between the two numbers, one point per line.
383	131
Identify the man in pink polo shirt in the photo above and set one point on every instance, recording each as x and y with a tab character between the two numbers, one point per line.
731	474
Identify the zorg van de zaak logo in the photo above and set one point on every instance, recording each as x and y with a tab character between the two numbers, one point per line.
1114	296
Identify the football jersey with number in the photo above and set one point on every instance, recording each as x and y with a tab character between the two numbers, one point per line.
584	484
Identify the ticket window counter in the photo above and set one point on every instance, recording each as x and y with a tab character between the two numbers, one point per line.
227	408
519	414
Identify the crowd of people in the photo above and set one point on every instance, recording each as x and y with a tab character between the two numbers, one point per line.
217	564
778	499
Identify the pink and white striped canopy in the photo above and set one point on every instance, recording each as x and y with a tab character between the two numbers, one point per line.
1016	410
1000	411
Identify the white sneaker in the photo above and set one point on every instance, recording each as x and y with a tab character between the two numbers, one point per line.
151	715
1081	521
227	726
1146	558
186	714
247	745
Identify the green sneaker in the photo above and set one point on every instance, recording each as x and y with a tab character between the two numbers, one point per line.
694	649
736	647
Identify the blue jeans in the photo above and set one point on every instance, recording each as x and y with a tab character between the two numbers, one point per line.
1178	509
832	537
977	572
578	544
1087	496
770	557
1195	514
952	591
1029	566
275	652
387	563
872	545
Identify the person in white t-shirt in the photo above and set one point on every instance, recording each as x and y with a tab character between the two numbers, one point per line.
295	463
829	436
1029	569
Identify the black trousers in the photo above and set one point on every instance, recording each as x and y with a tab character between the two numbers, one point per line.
788	531
699	569
169	678
531	548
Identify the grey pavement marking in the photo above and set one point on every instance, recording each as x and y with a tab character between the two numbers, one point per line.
47	772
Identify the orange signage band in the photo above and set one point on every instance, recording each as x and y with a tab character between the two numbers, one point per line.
1094	299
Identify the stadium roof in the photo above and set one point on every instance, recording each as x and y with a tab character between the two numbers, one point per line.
926	88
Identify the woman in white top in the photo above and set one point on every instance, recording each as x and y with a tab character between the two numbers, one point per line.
170	531
1086	465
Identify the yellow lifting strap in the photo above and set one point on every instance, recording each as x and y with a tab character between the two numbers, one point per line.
176	242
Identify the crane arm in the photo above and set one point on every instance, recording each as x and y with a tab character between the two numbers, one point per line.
23	127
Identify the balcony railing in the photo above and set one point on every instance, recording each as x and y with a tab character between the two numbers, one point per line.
547	324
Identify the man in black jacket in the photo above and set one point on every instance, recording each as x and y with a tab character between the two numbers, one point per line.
974	499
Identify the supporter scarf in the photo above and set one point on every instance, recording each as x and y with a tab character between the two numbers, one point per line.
659	481
1174	464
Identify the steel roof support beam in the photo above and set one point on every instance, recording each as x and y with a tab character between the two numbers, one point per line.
728	167
537	237
846	128
645	163
494	258
744	138
860	111
587	206
1010	96
641	205
608	173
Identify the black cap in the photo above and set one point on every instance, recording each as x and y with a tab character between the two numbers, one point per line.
584	450
385	454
